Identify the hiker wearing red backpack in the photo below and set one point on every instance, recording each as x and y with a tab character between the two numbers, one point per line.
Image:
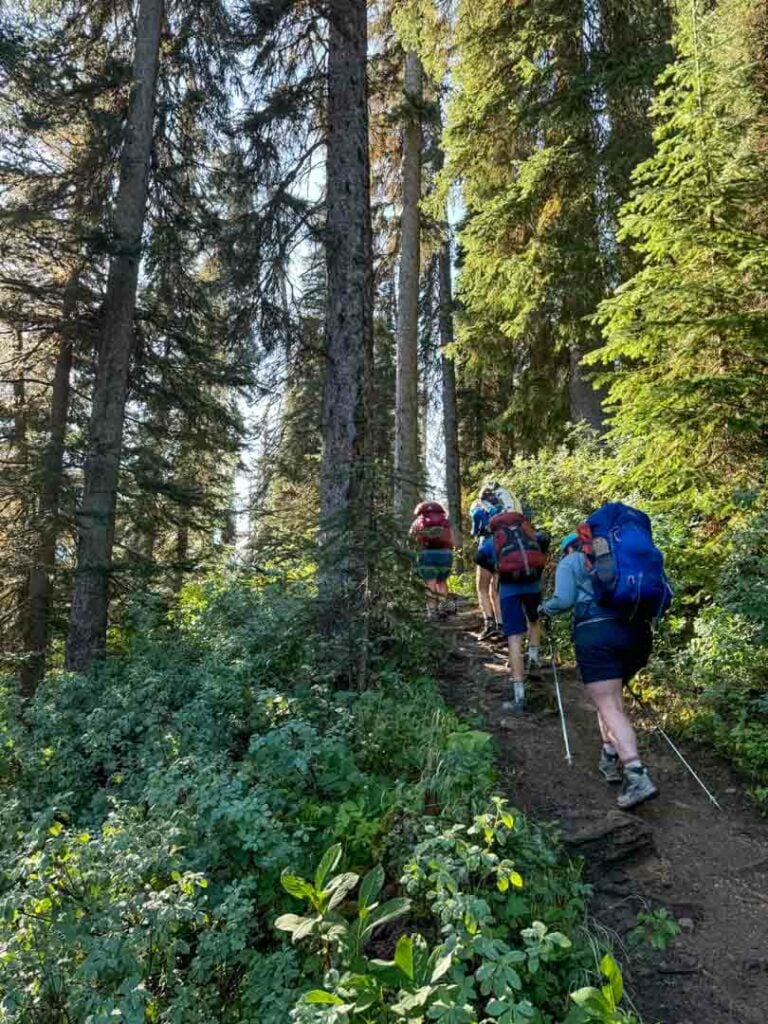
612	576
517	553
431	529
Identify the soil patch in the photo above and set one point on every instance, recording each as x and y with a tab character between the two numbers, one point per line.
708	867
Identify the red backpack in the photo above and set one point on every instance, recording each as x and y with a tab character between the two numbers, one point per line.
432	528
519	558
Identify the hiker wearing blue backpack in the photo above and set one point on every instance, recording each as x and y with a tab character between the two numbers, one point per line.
612	576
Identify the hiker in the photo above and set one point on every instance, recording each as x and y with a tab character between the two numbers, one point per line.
431	529
514	550
613	603
485	506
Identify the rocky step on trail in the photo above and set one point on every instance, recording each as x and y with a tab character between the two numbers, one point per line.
707	867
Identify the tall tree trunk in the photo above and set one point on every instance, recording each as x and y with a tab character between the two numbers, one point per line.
586	402
40	582
345	479
21	483
181	555
407	463
450	411
96	518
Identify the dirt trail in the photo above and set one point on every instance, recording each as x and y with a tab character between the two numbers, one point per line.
708	867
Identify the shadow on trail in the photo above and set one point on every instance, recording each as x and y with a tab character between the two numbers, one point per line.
708	867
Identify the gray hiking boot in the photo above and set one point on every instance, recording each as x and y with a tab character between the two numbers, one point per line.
514	707
637	787
610	767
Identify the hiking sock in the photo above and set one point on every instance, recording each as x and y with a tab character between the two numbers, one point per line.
609	750
533	653
518	690
635	765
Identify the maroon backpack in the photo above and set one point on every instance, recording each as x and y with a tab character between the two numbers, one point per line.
431	527
519	558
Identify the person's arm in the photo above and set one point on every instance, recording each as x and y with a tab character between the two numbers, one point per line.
564	597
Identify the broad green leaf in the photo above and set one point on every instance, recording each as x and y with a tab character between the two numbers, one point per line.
322	997
386	912
328	863
339	887
615	986
404	955
307	925
593	1000
296	886
370	887
442	967
289	922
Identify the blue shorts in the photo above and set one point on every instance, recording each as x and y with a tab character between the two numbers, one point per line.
435	564
611	649
517	610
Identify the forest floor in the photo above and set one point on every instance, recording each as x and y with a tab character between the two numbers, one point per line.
707	867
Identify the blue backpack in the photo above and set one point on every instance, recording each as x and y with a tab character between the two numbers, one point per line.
625	566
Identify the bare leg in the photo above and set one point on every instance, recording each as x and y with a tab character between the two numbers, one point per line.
431	597
495	602
534	634
483	581
516	662
615	726
603	729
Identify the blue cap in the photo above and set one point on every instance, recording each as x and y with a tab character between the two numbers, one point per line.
567	541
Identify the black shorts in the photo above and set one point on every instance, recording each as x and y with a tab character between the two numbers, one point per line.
611	649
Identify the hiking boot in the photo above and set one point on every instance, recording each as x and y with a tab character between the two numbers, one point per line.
514	707
610	767
498	636
488	632
637	788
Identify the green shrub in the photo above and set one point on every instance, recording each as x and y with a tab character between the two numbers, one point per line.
148	810
480	952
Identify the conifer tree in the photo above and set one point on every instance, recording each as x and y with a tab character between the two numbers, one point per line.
685	336
62	82
96	517
344	482
529	138
407	459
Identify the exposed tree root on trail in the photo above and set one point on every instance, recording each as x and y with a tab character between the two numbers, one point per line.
708	867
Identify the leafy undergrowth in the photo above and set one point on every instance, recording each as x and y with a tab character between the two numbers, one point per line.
149	812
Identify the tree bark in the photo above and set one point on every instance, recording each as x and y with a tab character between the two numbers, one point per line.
586	402
450	410
345	480
96	517
40	582
407	463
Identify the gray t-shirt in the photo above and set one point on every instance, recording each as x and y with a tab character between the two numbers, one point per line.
572	585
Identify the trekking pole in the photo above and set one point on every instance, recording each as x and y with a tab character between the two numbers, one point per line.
560	709
654	718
